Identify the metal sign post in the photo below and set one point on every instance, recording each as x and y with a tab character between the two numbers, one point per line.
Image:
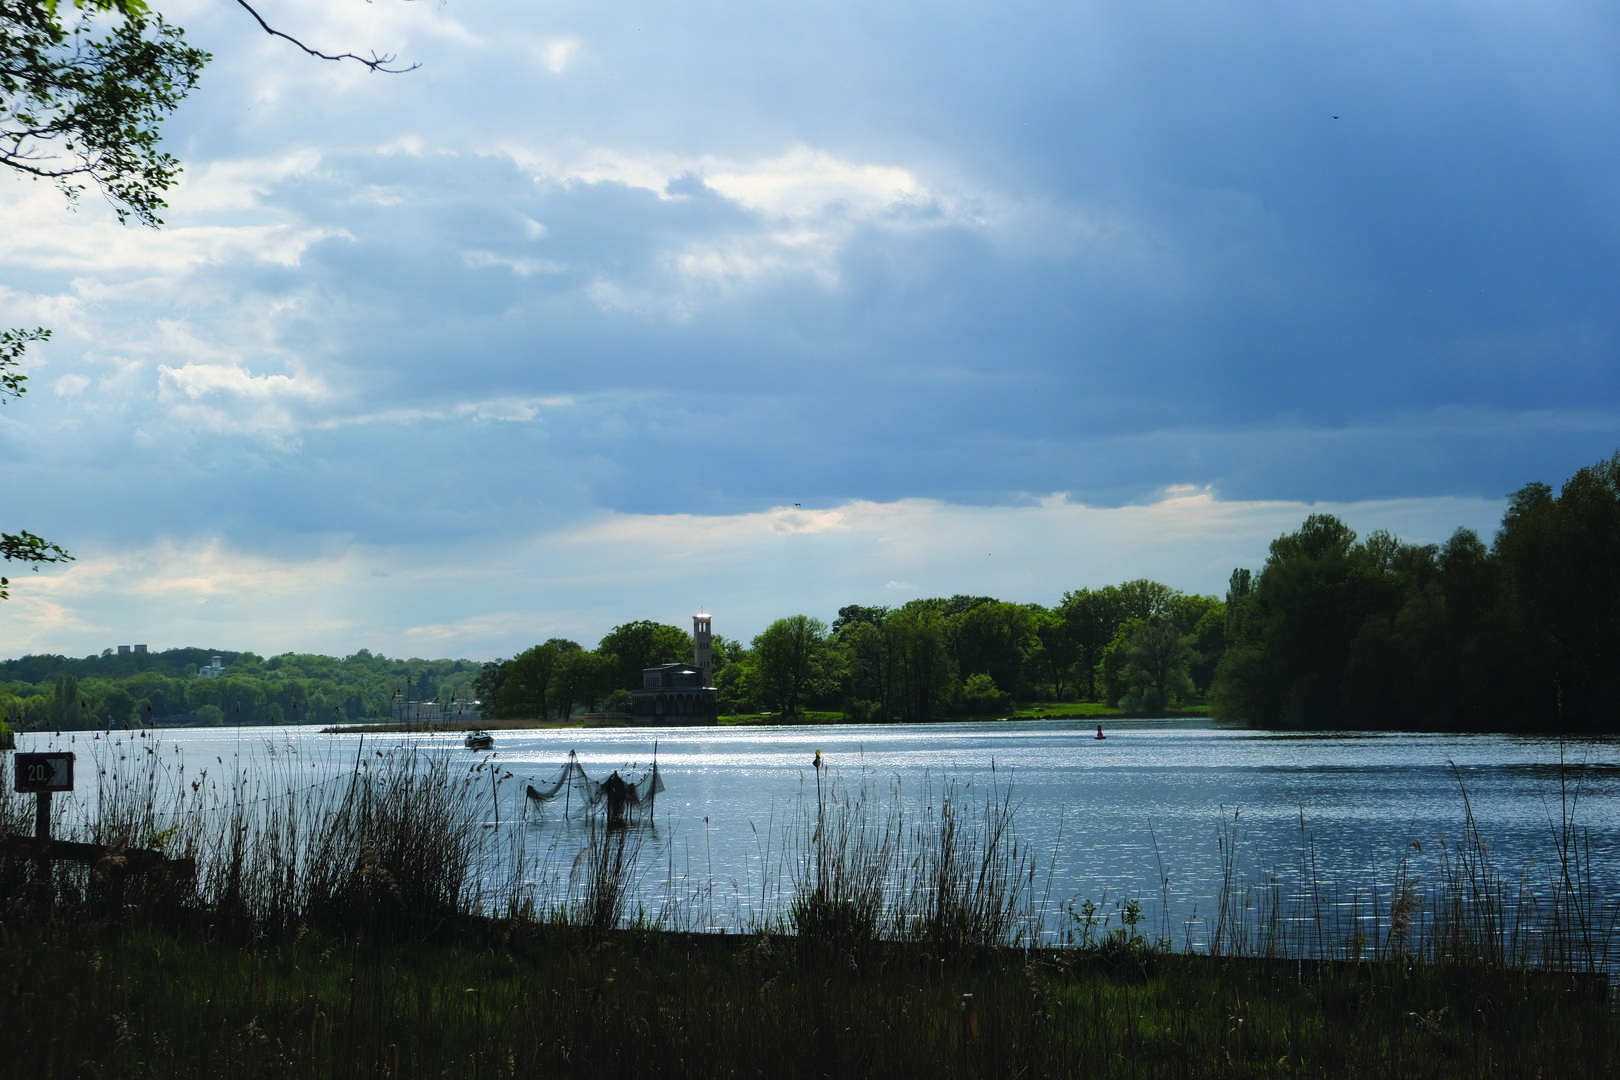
43	774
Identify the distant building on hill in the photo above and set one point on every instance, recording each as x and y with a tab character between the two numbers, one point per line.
680	694
211	671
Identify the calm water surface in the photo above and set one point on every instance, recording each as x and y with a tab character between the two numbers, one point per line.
1152	812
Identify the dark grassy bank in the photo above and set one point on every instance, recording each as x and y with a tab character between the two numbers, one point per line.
509	1000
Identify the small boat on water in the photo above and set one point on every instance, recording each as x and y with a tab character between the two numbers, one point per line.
479	739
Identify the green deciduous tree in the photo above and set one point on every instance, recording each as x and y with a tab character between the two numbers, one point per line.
68	709
793	662
22	546
523	687
1385	633
1288	667
980	696
1092	619
923	672
643	644
865	646
83	96
1155	662
116	707
580	678
996	638
1561	565
1058	651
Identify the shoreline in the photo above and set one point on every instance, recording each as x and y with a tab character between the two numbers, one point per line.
455	727
612	720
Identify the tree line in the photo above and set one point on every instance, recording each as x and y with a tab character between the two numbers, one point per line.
1521	635
1333	632
1141	643
165	689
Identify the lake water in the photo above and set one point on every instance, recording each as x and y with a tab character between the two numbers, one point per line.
1167	812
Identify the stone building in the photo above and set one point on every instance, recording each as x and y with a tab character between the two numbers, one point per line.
680	694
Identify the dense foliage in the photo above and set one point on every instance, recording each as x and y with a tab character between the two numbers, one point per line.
83	93
164	688
1336	633
22	546
925	660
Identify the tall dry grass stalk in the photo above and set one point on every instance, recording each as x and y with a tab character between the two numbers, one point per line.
950	873
967	874
843	875
605	876
1459	911
394	847
406	840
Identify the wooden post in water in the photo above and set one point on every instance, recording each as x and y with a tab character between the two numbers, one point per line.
568	794
652	788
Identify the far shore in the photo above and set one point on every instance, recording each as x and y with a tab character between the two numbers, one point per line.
420	727
1093	713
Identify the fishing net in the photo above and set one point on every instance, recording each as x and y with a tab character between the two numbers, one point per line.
625	796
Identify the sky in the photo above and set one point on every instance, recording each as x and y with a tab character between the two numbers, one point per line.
626	311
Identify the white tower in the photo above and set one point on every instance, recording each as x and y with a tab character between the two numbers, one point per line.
701	657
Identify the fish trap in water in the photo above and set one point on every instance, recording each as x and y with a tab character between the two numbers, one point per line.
625	795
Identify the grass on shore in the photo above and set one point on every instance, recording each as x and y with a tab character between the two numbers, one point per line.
523	999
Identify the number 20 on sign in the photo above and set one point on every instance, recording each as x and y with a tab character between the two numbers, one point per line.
44	772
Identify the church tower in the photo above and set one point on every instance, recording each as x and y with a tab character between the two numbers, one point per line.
701	657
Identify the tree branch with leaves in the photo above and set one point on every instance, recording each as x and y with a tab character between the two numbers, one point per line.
81	101
24	546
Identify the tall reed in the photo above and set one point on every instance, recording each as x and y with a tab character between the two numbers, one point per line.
406	840
966	875
1444	901
605	876
949	873
842	876
391	848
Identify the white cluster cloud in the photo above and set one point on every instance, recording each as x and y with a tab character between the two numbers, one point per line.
228	398
805	183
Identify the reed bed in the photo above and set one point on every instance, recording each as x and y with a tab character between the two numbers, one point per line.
407	840
360	927
1446	901
394	847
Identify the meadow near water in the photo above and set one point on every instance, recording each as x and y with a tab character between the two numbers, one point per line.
1310	834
